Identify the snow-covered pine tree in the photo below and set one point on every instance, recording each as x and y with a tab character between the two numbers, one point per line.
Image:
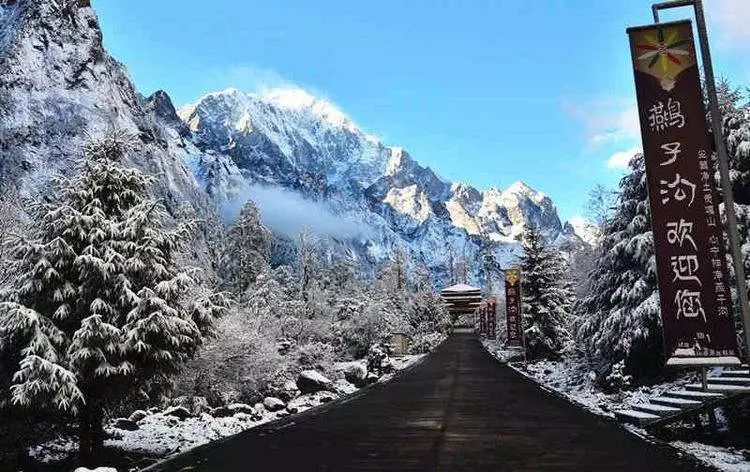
11	215
307	261
619	319
97	309
247	249
547	298
736	133
394	273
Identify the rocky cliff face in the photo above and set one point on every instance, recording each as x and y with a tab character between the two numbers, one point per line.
58	86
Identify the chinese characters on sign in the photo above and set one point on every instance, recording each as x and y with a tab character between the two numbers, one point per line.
487	318
490	317
513	307
694	294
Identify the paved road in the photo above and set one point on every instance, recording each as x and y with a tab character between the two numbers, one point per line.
459	409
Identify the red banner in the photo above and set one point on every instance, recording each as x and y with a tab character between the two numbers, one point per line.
513	307
688	240
482	320
491	318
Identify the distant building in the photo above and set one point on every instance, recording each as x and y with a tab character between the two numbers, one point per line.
461	300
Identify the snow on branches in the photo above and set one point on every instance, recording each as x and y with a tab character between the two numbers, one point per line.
547	297
99	305
619	319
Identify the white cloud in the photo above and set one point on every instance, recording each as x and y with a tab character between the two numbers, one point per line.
607	121
621	159
730	21
289	212
253	79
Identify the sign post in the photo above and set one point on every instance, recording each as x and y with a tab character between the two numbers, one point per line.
513	307
721	151
695	298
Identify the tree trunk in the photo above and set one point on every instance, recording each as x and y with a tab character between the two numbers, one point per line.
90	432
85	445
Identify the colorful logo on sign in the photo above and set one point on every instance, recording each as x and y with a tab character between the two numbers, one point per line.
664	54
512	276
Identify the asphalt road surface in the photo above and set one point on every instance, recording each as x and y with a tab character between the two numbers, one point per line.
458	409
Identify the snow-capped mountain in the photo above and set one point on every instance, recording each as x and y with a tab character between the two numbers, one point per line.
59	86
290	139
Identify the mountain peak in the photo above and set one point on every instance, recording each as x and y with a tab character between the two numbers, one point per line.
299	99
520	186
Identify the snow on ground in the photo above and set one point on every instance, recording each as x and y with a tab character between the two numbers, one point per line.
571	379
160	434
723	458
53	451
163	435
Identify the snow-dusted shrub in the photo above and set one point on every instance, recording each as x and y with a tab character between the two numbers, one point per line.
373	324
239	362
618	380
428	319
314	355
422	343
378	360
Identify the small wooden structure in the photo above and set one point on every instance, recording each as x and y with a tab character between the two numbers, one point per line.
461	299
399	343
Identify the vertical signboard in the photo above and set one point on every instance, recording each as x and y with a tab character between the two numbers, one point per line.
688	239
491	318
482	319
513	307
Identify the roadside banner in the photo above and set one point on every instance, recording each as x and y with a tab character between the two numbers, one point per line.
491	318
696	306
513	307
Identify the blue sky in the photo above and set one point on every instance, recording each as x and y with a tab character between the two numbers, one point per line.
482	91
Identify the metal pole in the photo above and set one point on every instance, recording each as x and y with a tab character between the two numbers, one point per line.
673	4
722	158
726	185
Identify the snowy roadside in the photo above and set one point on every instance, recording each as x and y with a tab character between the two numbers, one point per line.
571	379
160	433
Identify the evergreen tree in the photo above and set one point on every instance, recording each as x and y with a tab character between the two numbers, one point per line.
247	251
736	133
547	297
619	319
98	307
394	273
308	262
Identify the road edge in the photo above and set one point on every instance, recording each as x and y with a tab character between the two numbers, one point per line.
290	420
